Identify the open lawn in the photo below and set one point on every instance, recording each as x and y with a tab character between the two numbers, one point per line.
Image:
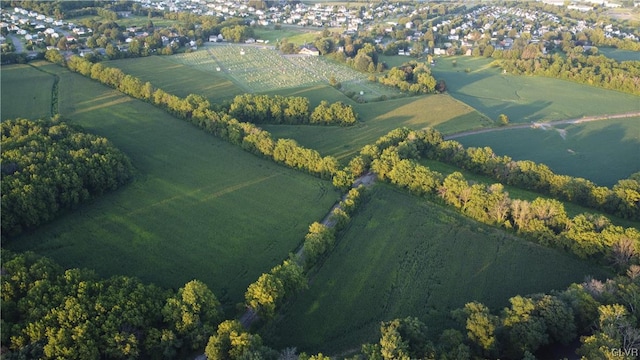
181	75
199	208
620	55
602	151
440	111
525	98
402	256
26	92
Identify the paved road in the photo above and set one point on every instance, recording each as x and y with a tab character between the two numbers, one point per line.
536	125
17	43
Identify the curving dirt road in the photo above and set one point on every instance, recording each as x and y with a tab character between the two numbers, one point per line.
536	125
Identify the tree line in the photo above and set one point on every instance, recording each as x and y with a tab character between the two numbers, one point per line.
542	220
268	293
622	200
602	315
291	110
48	167
213	119
590	70
52	313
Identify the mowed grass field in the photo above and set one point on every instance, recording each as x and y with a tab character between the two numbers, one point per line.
440	111
173	76
26	92
526	98
601	151
402	256
199	208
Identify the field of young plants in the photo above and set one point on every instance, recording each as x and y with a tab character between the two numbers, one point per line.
401	257
199	208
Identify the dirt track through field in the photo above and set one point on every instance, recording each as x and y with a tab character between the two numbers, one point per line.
542	125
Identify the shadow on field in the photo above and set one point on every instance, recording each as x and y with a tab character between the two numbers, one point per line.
515	112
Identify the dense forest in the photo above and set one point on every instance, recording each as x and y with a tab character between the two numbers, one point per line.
52	313
49	167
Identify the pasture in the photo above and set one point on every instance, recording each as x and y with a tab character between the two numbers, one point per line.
200	208
526	98
439	111
402	256
601	151
26	92
181	75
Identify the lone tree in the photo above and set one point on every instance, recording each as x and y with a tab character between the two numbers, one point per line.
503	120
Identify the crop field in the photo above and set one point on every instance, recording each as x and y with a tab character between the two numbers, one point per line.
601	151
181	75
525	98
620	55
200	208
402	256
26	92
439	111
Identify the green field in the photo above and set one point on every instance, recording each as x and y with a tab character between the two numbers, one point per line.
620	55
199	208
133	20
525	98
293	34
26	92
402	256
602	151
440	111
172	75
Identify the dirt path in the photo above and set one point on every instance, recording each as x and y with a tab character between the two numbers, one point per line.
542	125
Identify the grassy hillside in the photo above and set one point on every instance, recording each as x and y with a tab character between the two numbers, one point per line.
524	98
403	256
602	151
26	92
200	208
440	111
